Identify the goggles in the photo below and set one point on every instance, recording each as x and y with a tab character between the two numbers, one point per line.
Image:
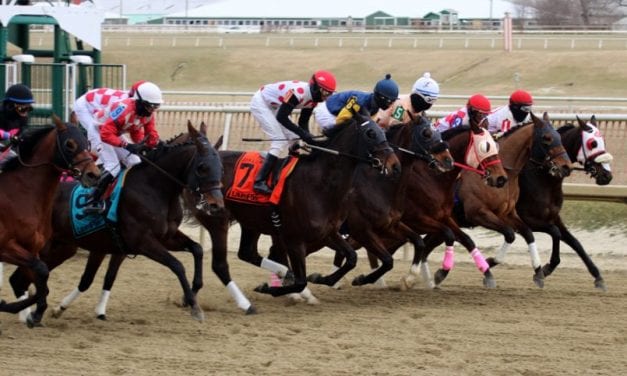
430	99
151	106
23	108
523	107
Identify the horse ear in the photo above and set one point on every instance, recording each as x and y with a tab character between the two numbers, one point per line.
545	116
218	143
192	131
73	118
582	124
203	128
593	120
58	123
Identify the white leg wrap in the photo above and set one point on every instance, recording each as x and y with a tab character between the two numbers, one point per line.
23	315
426	274
101	308
309	296
535	257
239	297
274	267
70	298
500	255
1	274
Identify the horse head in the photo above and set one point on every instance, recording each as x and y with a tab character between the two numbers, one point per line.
207	168
427	144
482	154
73	153
371	146
592	154
547	150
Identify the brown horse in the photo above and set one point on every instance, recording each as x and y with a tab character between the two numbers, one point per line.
149	216
541	194
495	209
313	204
28	184
430	198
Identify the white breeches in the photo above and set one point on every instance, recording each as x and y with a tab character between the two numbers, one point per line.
278	134
324	118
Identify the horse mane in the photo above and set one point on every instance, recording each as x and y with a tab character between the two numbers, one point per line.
29	138
452	132
565	128
509	132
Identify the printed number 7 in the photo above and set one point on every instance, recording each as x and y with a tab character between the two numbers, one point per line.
248	167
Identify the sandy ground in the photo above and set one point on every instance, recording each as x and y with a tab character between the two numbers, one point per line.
566	328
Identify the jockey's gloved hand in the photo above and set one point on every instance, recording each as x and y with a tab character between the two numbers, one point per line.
134	148
307	137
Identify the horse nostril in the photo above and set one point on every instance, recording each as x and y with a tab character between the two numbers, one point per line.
500	181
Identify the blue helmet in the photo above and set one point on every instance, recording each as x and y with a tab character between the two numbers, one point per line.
19	93
387	88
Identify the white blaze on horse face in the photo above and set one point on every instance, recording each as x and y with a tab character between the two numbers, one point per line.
593	146
482	146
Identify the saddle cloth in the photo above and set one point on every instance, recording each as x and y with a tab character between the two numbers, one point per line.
246	169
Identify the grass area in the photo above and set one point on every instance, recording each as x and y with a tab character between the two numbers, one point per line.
597	215
244	67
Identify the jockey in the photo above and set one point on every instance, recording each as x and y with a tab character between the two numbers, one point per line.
272	106
516	113
134	115
477	107
340	107
87	106
16	105
423	95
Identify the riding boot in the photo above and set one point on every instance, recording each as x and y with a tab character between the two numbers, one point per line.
95	204
261	180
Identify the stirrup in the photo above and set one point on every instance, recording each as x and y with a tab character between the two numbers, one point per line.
96	207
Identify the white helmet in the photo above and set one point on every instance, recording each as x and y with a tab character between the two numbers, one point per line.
149	92
427	88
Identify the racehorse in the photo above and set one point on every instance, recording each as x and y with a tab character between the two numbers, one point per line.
313	203
541	194
149	216
28	184
537	142
417	143
430	199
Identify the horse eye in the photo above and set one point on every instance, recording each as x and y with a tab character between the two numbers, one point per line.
547	139
427	133
592	144
370	134
71	145
484	147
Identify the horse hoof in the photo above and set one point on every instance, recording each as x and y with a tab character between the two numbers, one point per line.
251	310
600	284
489	283
57	312
198	314
440	276
102	317
263	288
359	280
547	270
32	322
315	278
538	278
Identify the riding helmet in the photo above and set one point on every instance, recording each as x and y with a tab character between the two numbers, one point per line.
479	102
387	88
149	92
324	79
19	93
427	88
521	97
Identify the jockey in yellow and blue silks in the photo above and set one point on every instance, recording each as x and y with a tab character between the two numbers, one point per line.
340	107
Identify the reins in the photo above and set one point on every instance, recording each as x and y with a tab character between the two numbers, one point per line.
60	169
167	174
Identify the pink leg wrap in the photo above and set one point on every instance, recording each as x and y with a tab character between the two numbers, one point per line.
275	281
449	259
480	261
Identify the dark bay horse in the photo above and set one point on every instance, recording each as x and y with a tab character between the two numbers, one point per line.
541	194
495	209
313	204
28	184
149	216
430	199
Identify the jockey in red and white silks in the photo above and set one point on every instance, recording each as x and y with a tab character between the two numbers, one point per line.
477	107
502	120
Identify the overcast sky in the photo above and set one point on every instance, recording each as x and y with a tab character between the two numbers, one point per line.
330	8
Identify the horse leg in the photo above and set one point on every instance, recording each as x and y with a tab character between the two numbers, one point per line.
556	237
181	242
527	234
115	261
153	249
338	243
94	260
569	239
220	266
297	254
469	244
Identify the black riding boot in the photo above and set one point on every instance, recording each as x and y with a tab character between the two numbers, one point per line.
261	185
95	204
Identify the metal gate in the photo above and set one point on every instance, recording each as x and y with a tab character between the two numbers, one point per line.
55	86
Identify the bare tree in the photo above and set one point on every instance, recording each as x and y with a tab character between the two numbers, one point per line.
571	12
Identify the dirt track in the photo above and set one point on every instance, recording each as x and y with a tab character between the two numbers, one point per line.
517	329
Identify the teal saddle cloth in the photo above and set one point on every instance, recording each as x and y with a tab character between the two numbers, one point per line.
83	223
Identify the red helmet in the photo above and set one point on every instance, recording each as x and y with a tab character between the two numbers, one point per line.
521	97
479	103
324	79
